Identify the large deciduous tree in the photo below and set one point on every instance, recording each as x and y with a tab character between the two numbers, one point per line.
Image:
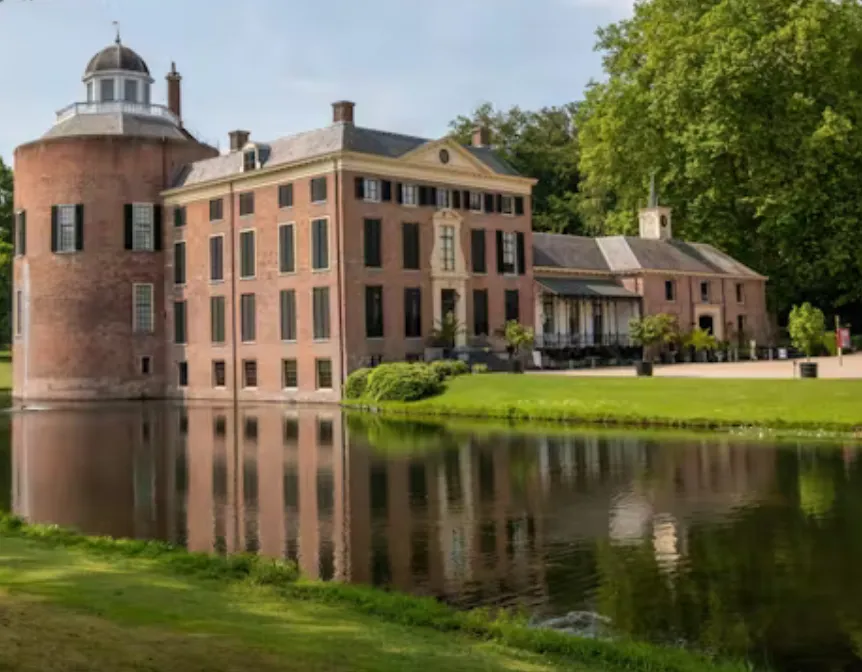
543	145
749	112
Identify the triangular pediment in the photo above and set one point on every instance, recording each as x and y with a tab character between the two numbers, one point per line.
446	154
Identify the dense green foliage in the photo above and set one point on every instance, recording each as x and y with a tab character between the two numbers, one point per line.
356	383
448	368
402	382
652	331
136	562
749	114
807	328
542	145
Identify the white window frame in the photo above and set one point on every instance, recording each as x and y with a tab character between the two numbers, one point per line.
325	179
278	243
447	251
253	152
311	245
139	212
371	189
126	81
215	384
136	326
413	199
317	385
507	206
254	238
67	222
245	384
444	198
209	259
477	203
19	313
295	360
510	252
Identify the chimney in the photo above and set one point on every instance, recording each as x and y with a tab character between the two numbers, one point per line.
342	111
481	136
174	95
238	140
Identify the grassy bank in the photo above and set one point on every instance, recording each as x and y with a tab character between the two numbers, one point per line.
834	405
69	602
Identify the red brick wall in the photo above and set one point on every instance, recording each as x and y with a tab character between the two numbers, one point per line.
268	349
79	342
394	278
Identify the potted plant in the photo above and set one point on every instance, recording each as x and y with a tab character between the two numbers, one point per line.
701	341
518	338
443	337
807	327
651	332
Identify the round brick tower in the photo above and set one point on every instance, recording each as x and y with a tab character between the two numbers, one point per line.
89	270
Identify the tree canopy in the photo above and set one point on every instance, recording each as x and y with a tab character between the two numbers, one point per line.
749	113
543	145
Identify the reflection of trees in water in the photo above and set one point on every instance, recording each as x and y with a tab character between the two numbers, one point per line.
5	465
777	583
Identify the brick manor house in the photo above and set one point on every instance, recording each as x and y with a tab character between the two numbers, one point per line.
151	265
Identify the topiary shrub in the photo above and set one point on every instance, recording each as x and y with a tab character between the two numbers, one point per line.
449	368
356	383
480	368
402	382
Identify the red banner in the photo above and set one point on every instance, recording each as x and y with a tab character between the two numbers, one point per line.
843	338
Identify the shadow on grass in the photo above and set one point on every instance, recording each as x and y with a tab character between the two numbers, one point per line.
275	633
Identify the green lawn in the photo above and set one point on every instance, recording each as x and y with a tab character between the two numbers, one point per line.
5	371
73	603
827	404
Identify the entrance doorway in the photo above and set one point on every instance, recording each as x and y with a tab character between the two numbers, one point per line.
706	323
448	302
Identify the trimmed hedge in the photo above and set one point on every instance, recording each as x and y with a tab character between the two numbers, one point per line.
402	382
356	383
449	368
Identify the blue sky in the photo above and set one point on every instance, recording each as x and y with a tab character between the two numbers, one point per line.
274	66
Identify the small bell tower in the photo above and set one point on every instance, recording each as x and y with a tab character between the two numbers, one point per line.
655	219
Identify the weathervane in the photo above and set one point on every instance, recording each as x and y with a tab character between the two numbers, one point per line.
116	25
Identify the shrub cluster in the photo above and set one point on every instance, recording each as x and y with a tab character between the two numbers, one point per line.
402	381
480	368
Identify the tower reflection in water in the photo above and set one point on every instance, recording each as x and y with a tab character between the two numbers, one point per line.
474	519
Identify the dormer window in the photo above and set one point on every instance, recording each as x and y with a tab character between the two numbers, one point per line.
249	159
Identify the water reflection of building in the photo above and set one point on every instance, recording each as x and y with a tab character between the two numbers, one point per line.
477	520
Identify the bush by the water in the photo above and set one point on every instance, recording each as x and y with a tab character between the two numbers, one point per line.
449	368
402	382
356	383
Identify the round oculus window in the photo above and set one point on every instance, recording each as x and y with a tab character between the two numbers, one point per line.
444	156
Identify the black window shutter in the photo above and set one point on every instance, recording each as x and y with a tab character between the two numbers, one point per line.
519	205
456	199
522	254
386	191
178	216
500	252
128	226
360	188
157	227
432	196
54	233
423	195
478	250
79	227
489	202
499	207
399	192
23	234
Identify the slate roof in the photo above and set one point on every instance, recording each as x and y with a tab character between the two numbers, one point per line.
587	287
574	252
621	254
116	123
323	141
116	57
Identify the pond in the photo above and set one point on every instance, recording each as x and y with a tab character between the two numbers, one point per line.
750	548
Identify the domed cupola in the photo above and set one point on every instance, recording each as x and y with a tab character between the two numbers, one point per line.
117	74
